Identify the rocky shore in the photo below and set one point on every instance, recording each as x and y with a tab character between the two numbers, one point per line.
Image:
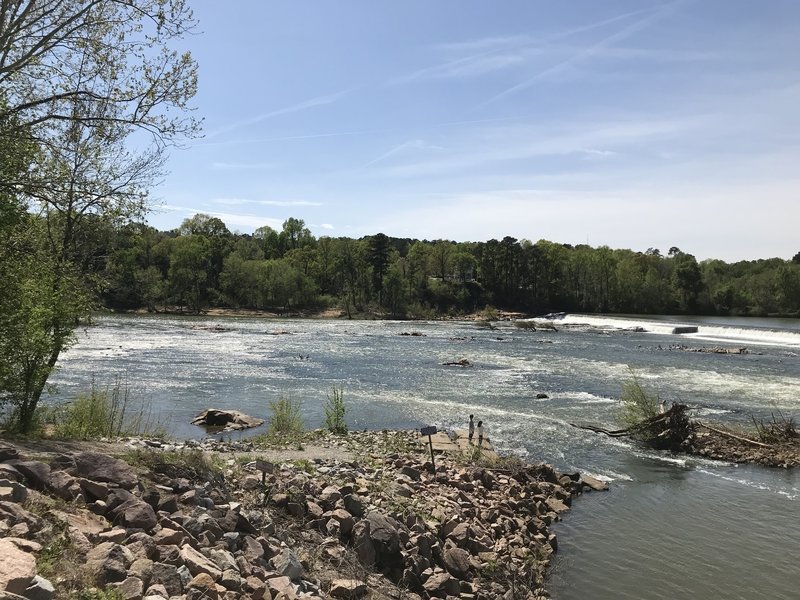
362	516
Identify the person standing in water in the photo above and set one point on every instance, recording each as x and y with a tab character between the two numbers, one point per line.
471	429
480	434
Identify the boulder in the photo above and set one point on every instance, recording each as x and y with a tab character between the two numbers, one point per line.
40	589
136	514
456	561
197	563
287	564
36	473
227	420
108	563
17	567
354	505
386	542
100	467
167	576
64	485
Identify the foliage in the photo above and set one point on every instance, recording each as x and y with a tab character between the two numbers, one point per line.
105	412
334	412
97	594
285	418
78	78
638	403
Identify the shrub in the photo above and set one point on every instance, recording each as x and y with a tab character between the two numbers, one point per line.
334	412
285	418
638	403
104	413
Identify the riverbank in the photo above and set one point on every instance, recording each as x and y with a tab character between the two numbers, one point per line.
359	515
323	313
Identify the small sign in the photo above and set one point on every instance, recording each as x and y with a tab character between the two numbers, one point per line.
264	466
430	430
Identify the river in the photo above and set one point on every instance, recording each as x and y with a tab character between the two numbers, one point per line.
670	527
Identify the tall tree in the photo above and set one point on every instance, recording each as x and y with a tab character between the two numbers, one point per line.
78	78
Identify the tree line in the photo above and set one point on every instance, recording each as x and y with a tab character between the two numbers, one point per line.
203	264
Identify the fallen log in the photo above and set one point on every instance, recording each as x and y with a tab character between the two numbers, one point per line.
734	436
646	424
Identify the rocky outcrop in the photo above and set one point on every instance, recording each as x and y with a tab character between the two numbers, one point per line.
312	530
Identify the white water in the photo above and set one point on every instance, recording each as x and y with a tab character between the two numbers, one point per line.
711	524
716	333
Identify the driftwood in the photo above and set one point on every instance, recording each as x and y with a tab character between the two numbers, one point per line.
646	424
733	436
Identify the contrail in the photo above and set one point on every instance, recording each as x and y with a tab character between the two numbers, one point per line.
587	52
318	101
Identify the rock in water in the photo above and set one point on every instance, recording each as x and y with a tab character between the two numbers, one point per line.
228	420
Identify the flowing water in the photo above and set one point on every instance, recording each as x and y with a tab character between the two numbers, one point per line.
670	527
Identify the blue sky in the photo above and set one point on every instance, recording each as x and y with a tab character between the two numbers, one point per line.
633	124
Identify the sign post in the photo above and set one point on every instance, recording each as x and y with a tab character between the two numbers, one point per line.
429	431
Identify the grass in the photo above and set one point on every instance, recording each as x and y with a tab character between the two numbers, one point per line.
335	411
285	418
777	430
102	413
194	464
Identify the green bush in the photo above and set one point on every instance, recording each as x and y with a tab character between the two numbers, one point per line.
638	403
103	413
334	412
285	418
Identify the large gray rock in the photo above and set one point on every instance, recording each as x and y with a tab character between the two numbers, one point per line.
63	485
386	541
100	467
228	420
354	505
456	561
108	563
40	589
287	564
136	514
17	567
168	576
36	473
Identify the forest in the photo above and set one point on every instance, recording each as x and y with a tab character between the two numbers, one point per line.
202	264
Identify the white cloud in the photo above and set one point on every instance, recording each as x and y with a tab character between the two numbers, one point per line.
326	226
